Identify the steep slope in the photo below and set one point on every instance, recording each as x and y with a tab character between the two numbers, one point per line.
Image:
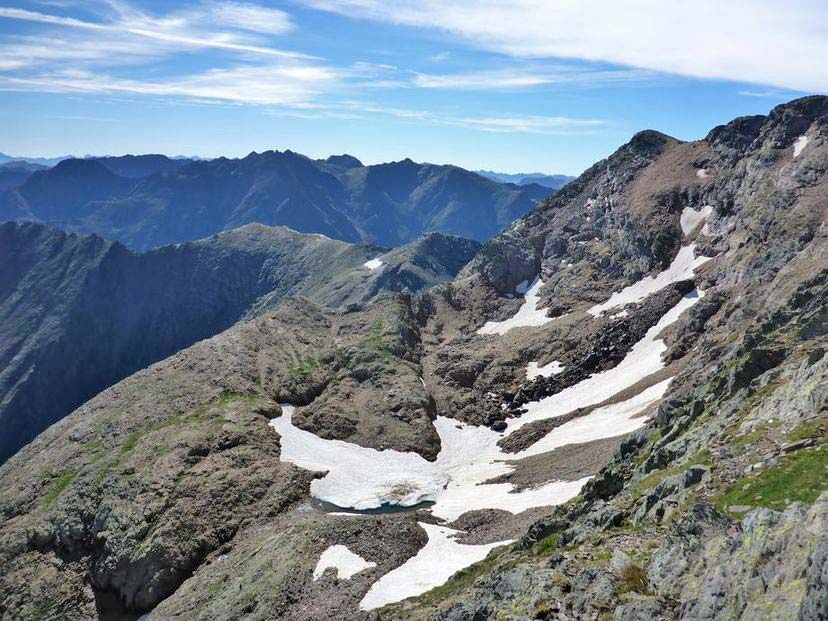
148	201
659	326
79	313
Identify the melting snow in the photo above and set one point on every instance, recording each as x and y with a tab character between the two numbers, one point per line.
616	419
682	268
642	360
528	315
690	218
363	478
553	368
432	566
701	173
623	313
373	264
345	562
799	145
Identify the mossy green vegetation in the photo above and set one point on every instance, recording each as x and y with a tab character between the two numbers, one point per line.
304	368
800	476
548	544
814	428
203	414
58	485
632	579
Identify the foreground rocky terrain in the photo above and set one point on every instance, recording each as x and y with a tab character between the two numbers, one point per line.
657	327
112	312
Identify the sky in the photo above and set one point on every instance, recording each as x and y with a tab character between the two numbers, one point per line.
509	85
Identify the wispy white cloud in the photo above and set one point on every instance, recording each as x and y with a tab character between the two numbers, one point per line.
767	94
103	54
265	85
512	124
518	77
768	42
210	27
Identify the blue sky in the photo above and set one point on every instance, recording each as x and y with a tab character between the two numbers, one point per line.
514	85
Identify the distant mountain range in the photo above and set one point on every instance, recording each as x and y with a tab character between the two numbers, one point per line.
554	182
151	200
78	313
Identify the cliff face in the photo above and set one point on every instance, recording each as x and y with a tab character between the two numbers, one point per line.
658	326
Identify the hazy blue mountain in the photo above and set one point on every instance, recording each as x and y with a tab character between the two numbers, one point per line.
44	161
137	166
554	182
150	201
15	172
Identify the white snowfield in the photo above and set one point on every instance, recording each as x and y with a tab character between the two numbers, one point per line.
373	264
432	566
690	218
528	315
547	370
345	562
682	268
643	360
365	478
362	478
800	144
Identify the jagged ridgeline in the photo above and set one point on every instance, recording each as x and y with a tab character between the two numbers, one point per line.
150	200
78	313
616	410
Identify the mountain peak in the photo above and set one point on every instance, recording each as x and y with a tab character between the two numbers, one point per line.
344	161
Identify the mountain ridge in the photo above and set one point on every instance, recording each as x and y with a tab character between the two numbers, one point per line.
80	313
388	204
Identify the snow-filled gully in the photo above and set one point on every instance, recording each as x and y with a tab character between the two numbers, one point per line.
358	477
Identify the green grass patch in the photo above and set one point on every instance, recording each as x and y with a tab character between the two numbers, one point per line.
800	476
632	579
808	429
303	369
58	485
548	544
757	434
131	442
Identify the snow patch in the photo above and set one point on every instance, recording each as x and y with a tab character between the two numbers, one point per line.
528	315
702	173
690	218
623	313
363	478
606	422
345	562
641	361
432	566
800	144
553	368
682	268
373	264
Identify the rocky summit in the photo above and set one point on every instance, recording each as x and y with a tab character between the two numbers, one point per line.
617	409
